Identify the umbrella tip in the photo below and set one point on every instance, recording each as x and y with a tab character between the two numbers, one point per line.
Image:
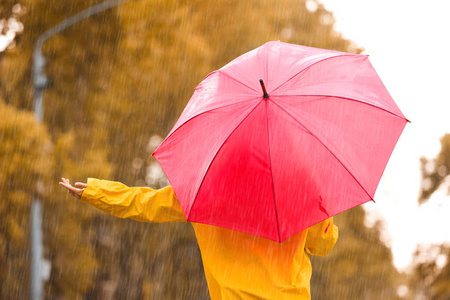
264	89
373	201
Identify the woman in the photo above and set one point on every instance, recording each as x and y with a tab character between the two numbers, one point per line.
237	265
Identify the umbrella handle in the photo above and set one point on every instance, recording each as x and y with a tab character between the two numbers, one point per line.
264	89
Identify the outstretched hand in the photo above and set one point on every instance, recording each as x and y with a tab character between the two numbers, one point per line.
76	191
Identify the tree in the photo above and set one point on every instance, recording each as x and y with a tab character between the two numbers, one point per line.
434	171
75	150
360	265
429	278
26	166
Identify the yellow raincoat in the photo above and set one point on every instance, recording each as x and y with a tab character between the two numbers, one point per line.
237	265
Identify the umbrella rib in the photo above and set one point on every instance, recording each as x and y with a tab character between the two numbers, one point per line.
204	112
271	175
351	99
232	78
329	150
309	66
215	155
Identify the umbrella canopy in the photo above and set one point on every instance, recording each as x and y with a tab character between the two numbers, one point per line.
273	157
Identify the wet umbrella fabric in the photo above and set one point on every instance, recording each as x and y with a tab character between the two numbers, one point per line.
273	164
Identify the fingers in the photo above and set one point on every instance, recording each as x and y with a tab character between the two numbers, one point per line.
65	182
73	190
68	186
81	185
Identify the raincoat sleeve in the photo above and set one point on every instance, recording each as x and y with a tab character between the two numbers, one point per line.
137	203
321	238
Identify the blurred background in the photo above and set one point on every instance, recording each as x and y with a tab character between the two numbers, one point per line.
112	85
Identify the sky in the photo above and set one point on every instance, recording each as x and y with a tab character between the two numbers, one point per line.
407	43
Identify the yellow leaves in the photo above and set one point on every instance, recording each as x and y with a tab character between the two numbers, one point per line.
19	198
26	164
15	232
25	154
3	246
131	43
82	163
63	146
77	270
59	43
74	264
147	289
24	144
348	268
441	289
13	67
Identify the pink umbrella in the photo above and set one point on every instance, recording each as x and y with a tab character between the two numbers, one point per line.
274	156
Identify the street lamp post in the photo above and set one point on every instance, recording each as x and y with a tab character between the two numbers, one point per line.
39	267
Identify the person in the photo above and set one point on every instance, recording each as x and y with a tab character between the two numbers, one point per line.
237	265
